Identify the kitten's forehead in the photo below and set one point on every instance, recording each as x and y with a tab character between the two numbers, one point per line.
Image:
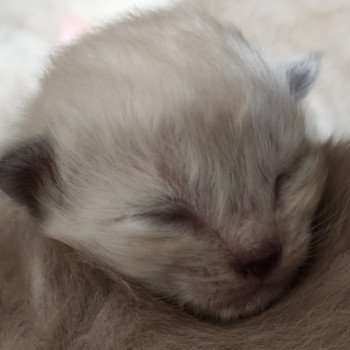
156	77
176	107
263	121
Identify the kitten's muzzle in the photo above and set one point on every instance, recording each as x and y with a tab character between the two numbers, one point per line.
259	263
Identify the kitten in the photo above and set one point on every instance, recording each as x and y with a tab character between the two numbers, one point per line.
171	152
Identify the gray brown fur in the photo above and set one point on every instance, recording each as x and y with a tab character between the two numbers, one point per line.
85	309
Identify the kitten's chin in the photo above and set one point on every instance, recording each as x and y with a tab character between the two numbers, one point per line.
228	308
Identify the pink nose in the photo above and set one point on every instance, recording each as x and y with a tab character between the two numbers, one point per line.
259	263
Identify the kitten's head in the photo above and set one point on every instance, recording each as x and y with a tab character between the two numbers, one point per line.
170	150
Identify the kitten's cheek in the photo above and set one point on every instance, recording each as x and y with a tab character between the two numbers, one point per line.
227	301
296	240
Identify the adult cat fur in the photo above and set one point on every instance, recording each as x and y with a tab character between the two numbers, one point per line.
86	308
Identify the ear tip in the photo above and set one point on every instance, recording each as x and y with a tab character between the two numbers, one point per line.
316	55
315	59
25	172
311	60
302	72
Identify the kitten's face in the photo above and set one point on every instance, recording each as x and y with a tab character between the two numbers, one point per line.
203	188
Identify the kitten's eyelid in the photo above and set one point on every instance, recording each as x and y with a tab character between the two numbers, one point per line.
292	167
173	213
283	176
277	185
166	214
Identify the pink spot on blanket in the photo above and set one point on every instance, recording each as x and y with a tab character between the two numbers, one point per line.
72	28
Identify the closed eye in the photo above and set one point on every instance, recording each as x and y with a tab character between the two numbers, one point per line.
284	176
178	215
280	179
173	215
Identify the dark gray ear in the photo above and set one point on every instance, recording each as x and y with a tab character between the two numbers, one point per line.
302	73
27	171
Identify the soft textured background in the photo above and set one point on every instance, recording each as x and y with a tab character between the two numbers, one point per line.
31	30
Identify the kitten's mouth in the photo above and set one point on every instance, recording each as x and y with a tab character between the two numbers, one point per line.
236	306
258	302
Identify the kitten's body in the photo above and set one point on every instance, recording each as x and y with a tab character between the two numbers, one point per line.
183	184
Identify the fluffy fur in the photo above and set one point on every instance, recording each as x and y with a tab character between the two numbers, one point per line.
142	180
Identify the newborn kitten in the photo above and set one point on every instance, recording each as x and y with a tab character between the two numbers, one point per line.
172	152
